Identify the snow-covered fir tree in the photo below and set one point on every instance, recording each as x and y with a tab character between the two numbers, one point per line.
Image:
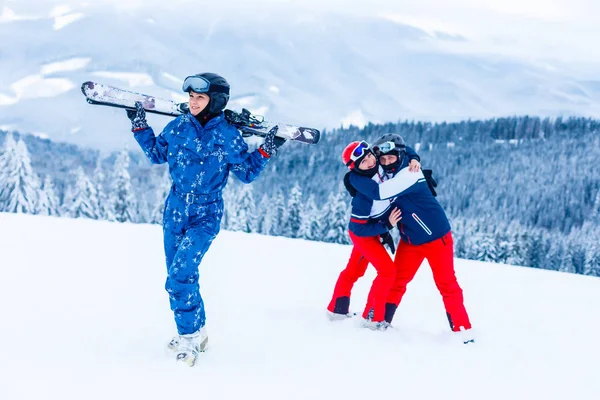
279	215
566	264
312	221
518	255
81	200
554	256
294	212
8	162
19	185
265	212
487	250
164	187
229	206
121	200
48	201
245	219
503	246
99	180
592	259
336	216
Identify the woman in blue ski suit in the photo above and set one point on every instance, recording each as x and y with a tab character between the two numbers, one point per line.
201	148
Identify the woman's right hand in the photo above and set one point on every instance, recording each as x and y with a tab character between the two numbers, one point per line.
395	216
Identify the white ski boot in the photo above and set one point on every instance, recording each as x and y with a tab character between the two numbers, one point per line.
375	326
339	317
187	347
466	335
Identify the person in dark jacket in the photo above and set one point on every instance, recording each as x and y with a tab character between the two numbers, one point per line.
365	232
425	233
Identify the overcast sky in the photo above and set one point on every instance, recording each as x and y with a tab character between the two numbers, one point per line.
565	30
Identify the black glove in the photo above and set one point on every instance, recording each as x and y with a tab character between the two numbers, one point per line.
351	189
137	117
387	240
272	143
430	181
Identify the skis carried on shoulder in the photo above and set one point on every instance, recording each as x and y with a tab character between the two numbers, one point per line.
249	124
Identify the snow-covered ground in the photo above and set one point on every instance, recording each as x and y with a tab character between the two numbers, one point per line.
84	316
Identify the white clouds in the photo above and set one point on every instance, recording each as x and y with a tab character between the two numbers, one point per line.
133	79
72	64
355	118
35	86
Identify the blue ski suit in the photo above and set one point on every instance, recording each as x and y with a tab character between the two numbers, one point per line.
200	159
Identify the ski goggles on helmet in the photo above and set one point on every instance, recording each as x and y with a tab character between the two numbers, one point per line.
360	150
386	147
200	84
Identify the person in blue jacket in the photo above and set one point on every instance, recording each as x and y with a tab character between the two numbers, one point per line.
201	149
425	233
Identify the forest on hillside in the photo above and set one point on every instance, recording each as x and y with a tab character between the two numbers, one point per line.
518	190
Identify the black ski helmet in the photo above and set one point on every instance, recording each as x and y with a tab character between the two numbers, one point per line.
399	149
218	91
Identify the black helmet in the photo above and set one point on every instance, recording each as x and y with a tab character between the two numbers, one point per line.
390	144
218	89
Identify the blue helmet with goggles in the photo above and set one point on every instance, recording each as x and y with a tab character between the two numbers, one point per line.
214	85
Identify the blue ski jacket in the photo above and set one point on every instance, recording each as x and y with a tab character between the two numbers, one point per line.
423	219
369	215
200	158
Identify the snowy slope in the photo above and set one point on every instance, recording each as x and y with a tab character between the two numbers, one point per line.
312	69
84	316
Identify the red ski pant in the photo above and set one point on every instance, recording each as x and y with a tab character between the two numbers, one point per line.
367	250
440	255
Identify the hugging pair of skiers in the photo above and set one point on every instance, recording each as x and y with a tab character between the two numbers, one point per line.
389	189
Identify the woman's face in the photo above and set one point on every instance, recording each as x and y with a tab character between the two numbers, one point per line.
198	102
368	162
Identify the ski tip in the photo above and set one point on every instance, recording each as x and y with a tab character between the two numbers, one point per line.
87	85
316	136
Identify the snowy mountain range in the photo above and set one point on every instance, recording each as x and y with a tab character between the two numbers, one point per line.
85	314
320	70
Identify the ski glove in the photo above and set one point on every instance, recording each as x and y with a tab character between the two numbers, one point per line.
272	143
349	188
137	117
430	181
387	240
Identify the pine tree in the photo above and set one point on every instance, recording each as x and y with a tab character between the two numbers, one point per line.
592	259
229	206
81	200
337	213
246	219
554	257
19	185
162	193
518	245
279	215
294	212
487	249
265	215
503	245
121	200
48	201
312	221
535	250
99	180
566	264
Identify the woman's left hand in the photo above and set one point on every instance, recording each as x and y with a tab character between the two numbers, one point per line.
414	166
